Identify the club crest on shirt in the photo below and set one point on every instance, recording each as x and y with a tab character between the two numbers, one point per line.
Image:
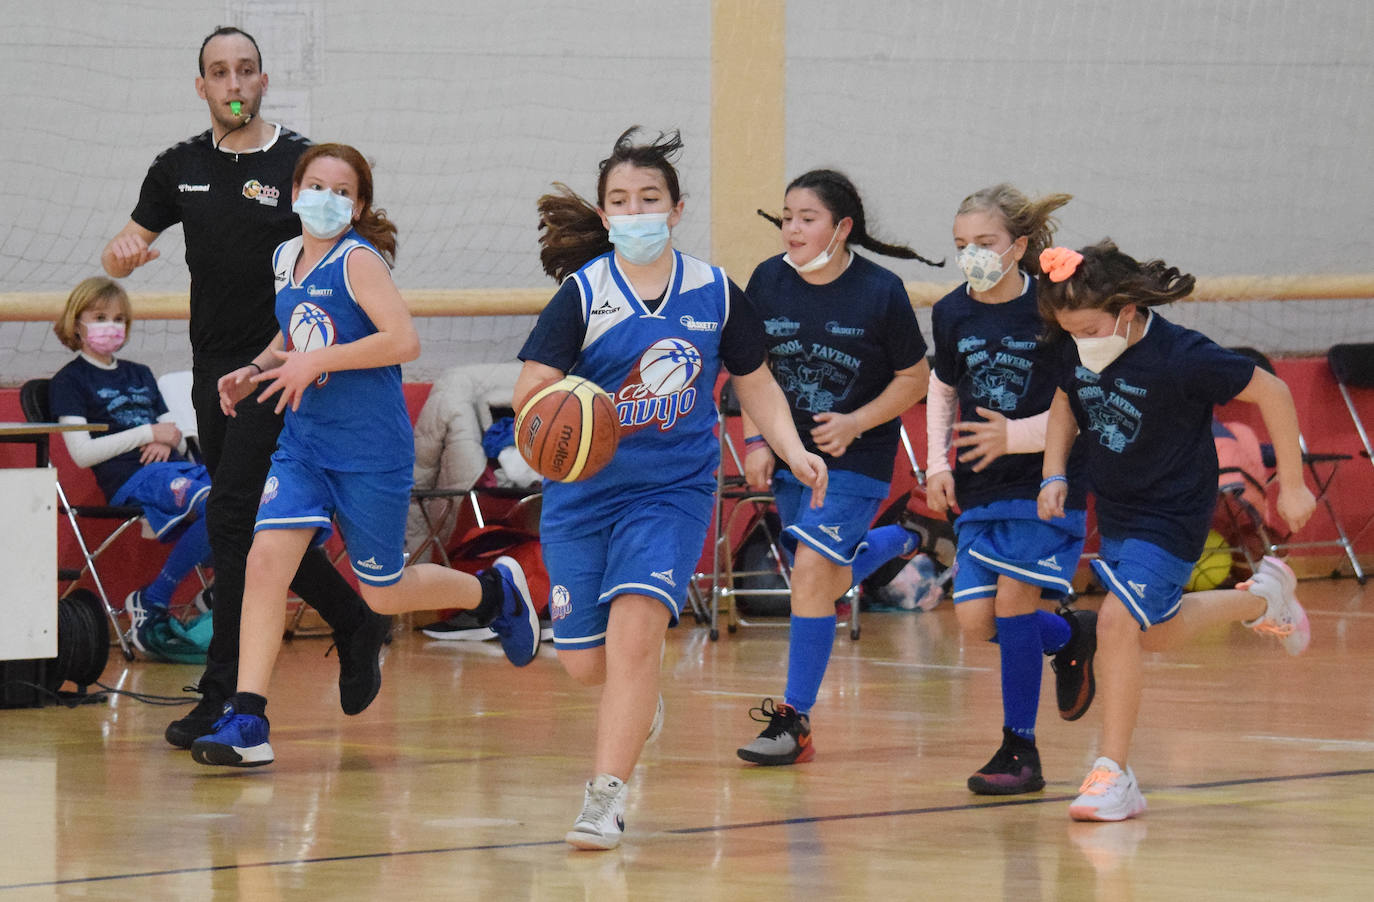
263	194
311	328
662	389
269	490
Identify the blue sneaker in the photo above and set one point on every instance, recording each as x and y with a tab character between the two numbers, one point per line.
517	626
238	740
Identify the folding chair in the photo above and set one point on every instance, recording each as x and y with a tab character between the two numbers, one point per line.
1322	467
1353	367
715	592
33	400
1242	514
743	511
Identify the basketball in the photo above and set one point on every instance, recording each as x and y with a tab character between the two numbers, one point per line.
568	430
1214	567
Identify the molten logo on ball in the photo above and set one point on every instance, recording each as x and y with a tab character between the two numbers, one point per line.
567	430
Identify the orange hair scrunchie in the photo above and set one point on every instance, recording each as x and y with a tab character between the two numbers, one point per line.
1058	263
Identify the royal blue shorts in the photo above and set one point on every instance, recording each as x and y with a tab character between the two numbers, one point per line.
650	549
168	491
1009	538
370	509
838	529
1147	579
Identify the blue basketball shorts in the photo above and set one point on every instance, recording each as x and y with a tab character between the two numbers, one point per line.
369	507
651	548
168	491
838	529
1147	579
1009	538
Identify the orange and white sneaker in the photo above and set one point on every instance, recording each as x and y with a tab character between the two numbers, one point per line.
1108	794
1283	617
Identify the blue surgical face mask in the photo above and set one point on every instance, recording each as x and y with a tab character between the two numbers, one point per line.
641	237
323	214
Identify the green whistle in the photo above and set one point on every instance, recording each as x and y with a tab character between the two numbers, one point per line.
235	106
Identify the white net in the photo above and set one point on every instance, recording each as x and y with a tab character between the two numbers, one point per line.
1228	138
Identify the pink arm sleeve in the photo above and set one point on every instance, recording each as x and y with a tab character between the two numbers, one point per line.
942	405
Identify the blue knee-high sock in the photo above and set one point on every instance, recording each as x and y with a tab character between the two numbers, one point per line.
192	548
1055	631
808	654
1022	664
884	543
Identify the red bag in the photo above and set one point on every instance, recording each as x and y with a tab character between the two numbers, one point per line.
480	546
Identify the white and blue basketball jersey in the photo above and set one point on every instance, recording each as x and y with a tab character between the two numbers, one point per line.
350	420
660	368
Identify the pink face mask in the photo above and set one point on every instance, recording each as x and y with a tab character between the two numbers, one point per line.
104	338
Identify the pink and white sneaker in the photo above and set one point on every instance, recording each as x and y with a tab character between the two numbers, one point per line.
1108	794
1284	617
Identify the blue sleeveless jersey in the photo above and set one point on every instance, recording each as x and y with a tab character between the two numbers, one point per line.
660	368
350	420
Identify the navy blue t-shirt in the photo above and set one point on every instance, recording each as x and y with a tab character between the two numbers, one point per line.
121	398
835	347
994	356
1147	424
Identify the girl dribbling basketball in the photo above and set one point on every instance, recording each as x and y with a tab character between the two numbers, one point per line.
653	327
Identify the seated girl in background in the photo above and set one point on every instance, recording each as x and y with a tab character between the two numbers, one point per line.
140	459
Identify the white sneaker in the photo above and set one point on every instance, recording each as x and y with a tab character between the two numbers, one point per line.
602	821
657	726
1108	794
1283	617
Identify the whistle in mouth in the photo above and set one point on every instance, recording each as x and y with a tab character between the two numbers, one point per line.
235	106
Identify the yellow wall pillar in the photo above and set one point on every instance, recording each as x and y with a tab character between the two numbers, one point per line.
748	119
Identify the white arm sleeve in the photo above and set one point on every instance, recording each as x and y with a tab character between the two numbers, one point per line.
942	405
1027	435
87	450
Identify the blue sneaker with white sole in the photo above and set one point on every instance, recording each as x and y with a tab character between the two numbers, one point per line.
238	740
517	626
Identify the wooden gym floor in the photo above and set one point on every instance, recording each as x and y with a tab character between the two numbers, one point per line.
461	779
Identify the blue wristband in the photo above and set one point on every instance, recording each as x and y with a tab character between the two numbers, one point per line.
1059	477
